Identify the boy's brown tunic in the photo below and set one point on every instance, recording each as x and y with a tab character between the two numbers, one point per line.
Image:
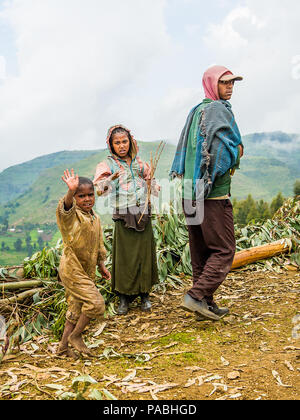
83	250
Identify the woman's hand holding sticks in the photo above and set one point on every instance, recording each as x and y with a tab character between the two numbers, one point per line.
153	167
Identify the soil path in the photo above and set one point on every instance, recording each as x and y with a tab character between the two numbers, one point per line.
254	353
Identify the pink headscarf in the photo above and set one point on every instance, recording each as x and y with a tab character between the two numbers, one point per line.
210	81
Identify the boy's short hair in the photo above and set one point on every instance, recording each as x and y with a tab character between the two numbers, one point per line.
85	181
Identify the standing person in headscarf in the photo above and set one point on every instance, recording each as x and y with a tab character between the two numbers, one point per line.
208	152
125	176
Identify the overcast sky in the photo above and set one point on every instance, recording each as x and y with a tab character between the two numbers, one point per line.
69	69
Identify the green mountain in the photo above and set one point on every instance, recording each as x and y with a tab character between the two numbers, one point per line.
29	192
271	164
17	179
41	190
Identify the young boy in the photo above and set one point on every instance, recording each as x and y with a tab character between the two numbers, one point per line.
83	250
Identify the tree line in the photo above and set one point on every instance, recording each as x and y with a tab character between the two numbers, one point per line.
251	211
28	246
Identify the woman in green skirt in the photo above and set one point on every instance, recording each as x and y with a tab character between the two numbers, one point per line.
127	178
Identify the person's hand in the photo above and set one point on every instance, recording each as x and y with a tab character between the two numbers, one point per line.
153	187
104	271
241	150
71	180
117	175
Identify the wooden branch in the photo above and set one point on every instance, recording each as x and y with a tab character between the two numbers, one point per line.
18	298
20	285
251	255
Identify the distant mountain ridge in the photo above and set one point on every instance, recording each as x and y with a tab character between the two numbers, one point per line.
274	136
266	169
15	180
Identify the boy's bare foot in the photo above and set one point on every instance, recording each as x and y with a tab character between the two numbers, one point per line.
79	345
68	353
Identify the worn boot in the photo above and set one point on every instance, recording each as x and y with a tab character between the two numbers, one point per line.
123	305
200	307
221	312
145	302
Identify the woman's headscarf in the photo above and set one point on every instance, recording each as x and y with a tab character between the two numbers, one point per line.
103	170
210	81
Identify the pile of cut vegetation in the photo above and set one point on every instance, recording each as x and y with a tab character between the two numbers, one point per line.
283	227
33	300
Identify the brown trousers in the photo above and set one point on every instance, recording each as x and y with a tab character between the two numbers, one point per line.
212	248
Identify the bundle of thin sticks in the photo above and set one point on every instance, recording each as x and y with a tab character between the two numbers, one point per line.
153	167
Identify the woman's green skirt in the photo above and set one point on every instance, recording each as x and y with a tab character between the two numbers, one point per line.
134	266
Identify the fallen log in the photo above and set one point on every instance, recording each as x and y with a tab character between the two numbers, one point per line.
262	252
18	298
29	284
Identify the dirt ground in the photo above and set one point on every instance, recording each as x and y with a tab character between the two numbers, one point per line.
253	354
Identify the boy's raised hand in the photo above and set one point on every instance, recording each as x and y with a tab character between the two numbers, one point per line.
71	180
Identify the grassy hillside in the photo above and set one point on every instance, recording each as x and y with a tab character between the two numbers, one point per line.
271	164
38	204
263	178
15	180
